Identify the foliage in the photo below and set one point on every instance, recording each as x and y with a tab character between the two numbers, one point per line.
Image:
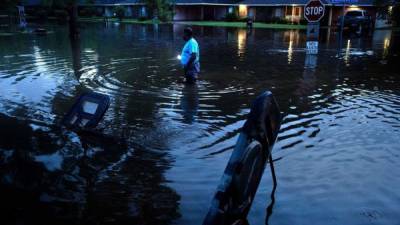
61	15
161	9
241	24
396	15
55	3
142	18
87	11
120	12
62	3
231	17
165	13
383	10
303	21
382	6
42	14
279	20
10	4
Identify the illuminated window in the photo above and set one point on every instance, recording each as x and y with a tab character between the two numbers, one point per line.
242	11
297	11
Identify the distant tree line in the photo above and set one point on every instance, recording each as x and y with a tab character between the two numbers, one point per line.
162	9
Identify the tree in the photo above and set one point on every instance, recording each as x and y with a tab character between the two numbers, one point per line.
393	14
10	4
382	6
120	12
396	14
71	6
162	9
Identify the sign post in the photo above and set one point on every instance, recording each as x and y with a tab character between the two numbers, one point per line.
314	10
21	14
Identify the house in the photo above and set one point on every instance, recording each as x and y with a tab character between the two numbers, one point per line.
202	9
134	8
290	11
263	10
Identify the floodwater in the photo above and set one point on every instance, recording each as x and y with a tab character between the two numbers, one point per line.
165	145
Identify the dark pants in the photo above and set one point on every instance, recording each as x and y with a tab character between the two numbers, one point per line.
192	73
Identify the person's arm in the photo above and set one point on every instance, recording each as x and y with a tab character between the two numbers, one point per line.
191	61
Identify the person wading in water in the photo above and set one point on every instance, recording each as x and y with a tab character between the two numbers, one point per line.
190	56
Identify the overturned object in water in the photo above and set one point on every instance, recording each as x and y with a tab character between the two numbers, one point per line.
87	111
243	173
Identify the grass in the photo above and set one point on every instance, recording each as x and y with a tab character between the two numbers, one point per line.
242	24
101	19
396	28
5	34
200	23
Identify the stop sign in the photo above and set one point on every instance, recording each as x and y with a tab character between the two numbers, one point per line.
314	10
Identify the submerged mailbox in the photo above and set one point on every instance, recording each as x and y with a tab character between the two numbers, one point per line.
87	111
243	173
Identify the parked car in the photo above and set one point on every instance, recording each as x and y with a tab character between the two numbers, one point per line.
358	21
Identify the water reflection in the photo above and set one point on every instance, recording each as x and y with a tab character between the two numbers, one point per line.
311	61
386	45
76	56
54	170
189	103
290	52
241	40
292	37
307	84
346	56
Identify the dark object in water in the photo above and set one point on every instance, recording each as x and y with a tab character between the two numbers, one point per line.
87	111
243	173
40	31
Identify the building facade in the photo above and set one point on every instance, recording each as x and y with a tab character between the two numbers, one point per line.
290	11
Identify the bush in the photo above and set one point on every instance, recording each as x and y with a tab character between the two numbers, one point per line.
42	14
142	18
279	20
165	15
61	15
303	21
273	20
87	12
243	19
119	12
396	15
230	17
99	11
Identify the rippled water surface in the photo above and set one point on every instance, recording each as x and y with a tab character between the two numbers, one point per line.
167	144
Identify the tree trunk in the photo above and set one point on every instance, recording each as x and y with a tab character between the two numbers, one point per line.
73	20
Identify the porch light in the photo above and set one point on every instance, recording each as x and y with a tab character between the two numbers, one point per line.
354	7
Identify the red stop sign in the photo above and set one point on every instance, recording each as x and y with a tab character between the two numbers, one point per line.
314	10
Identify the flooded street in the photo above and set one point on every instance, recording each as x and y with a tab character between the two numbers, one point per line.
166	144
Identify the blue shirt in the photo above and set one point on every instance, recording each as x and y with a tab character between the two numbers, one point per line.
190	47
